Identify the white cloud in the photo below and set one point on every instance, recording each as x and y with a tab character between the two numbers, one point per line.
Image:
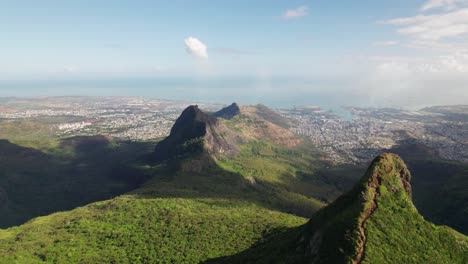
434	27
444	64
196	48
385	43
296	13
439	75
457	62
416	81
445	4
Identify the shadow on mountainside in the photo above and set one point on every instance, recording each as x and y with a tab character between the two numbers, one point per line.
202	177
80	171
279	246
439	186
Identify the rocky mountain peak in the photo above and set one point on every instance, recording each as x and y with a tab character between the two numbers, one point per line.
228	112
195	132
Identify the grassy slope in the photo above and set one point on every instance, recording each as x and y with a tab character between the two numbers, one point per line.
192	217
29	133
447	181
34	183
270	115
408	238
41	173
395	231
287	165
435	177
138	229
183	216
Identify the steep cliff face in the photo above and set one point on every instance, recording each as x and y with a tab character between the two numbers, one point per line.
195	132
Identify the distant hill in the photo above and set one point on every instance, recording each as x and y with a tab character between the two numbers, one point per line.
230	187
78	171
194	132
206	149
376	222
220	133
272	116
449	112
198	205
228	112
263	124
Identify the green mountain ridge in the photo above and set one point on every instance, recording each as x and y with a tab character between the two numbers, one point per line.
434	177
181	214
376	222
240	189
81	171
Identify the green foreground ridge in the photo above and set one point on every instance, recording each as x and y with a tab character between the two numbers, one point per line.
376	222
239	189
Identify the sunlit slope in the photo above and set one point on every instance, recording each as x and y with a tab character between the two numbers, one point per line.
221	156
143	229
435	177
376	222
196	206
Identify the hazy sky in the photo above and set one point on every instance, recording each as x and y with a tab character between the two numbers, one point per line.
382	53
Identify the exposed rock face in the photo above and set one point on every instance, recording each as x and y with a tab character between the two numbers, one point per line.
228	112
195	132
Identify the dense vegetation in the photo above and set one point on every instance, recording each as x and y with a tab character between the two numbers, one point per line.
197	207
296	172
376	222
143	229
181	214
175	217
60	174
434	177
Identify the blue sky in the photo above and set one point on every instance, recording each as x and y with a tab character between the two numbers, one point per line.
283	52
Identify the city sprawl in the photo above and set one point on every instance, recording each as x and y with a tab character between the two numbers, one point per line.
120	117
351	140
372	130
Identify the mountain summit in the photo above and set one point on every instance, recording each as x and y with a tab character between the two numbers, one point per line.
228	112
339	233
195	132
376	222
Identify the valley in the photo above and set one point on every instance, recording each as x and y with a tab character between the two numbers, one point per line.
236	185
234	132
